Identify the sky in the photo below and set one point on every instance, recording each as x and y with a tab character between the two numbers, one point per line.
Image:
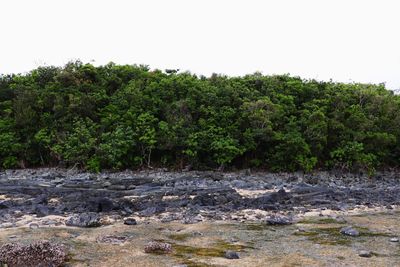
342	40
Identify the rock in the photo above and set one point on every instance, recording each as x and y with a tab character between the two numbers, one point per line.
231	255
88	219
394	239
112	239
3	204
106	184
42	253
350	231
6	225
151	211
33	226
365	254
279	220
18	213
130	221
158	247
41	210
107	220
192	219
104	204
50	222
117	187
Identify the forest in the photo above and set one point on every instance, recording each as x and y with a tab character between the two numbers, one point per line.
131	117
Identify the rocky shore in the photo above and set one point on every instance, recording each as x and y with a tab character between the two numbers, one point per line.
62	217
56	197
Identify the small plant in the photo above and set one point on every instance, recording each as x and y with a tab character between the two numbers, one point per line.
41	253
158	247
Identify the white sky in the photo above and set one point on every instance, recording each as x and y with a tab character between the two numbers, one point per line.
346	40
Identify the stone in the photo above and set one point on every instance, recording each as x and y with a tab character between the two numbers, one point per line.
4	205
104	204
394	239
117	187
33	226
41	210
106	184
231	255
6	225
88	219
112	239
350	231
279	220
151	211
18	213
365	254
130	221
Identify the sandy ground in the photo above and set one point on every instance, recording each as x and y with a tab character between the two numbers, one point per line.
314	241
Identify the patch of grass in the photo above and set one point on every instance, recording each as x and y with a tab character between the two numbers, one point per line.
180	237
305	233
191	263
321	221
183	250
255	226
223	245
326	236
332	235
186	253
72	260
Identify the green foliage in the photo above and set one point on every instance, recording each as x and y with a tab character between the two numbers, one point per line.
79	144
225	149
117	147
123	116
352	155
93	165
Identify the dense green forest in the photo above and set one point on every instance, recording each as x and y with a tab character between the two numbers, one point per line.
128	116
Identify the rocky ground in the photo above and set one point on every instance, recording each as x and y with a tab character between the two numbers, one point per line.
57	198
186	196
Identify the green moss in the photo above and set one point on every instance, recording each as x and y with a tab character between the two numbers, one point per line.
180	237
325	236
332	235
305	233
72	260
185	253
223	245
374	234
183	250
191	263
78	245
255	226
321	221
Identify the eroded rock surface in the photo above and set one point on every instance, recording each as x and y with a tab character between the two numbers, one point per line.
188	197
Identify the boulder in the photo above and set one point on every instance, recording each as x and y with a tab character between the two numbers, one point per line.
88	219
365	254
130	221
231	255
279	220
349	231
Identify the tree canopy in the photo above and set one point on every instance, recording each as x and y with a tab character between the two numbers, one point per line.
128	116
